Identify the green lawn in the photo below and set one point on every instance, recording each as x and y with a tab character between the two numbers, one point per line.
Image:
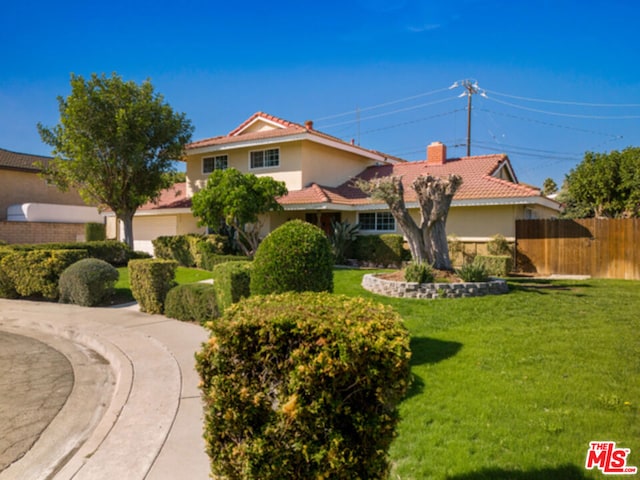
516	386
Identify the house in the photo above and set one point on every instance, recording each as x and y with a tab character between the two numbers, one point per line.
319	169
34	211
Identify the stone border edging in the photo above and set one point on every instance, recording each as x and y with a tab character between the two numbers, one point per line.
390	288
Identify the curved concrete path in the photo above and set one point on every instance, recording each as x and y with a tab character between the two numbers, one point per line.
134	410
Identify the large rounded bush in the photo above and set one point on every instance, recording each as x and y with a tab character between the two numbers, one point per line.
294	257
303	385
87	282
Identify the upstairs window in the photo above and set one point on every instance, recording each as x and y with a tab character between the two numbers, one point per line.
377	222
209	164
264	158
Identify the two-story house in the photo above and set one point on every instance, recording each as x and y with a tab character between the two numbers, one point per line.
319	169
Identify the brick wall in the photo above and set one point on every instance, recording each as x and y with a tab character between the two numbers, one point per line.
40	232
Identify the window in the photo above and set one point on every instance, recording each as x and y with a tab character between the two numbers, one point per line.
210	164
265	158
378	221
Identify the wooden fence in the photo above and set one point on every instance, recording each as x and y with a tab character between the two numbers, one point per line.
608	248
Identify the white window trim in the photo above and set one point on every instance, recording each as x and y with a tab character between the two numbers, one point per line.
214	157
395	226
264	150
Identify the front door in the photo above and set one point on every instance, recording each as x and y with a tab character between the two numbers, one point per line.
325	221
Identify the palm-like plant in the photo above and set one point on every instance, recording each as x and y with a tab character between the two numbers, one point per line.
341	239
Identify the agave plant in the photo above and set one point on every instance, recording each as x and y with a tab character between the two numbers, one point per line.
341	239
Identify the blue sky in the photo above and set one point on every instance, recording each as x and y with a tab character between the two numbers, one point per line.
560	77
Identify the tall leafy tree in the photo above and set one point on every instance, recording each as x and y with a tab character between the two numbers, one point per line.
115	143
606	185
237	200
549	187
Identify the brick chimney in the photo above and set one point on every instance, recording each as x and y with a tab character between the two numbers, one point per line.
308	125
436	153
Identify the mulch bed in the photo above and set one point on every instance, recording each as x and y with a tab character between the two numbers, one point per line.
441	276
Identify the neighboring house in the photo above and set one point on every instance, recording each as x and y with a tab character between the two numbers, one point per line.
26	197
319	169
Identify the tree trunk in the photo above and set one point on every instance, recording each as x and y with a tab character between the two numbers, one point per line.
435	196
127	222
427	242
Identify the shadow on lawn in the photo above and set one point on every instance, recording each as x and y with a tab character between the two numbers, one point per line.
426	350
564	472
544	287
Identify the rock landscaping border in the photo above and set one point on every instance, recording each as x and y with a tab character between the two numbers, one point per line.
390	288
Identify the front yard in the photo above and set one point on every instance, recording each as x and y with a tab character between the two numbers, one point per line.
516	386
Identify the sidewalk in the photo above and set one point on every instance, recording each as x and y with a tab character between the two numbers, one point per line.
139	419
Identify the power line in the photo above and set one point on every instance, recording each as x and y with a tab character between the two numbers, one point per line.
564	102
570	115
409	122
548	124
380	105
393	112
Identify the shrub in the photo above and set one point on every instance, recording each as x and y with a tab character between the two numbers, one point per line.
36	272
176	247
419	273
342	238
150	282
386	249
115	253
497	265
303	386
231	281
195	302
498	245
473	272
294	257
210	247
95	232
88	282
7	288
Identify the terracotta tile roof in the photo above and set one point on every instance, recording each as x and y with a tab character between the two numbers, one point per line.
172	197
21	161
478	182
284	128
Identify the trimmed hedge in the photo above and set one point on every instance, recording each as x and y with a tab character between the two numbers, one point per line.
88	282
95	232
195	302
294	257
303	385
385	249
496	265
150	281
190	250
7	288
231	281
35	272
115	253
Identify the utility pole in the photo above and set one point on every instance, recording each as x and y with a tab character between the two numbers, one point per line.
471	88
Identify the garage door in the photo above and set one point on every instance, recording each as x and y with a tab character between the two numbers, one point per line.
146	229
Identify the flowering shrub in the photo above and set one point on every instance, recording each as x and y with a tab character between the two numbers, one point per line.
303	386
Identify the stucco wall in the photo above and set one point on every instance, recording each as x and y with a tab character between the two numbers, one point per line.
289	170
329	167
24	187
